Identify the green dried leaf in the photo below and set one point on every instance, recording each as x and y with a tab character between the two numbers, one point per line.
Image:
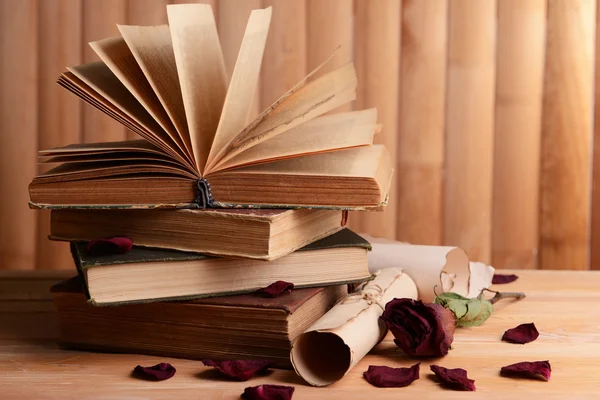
468	312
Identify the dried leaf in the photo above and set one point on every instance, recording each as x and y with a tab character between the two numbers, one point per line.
468	312
158	372
386	377
108	246
522	334
528	369
241	370
455	379
500	279
268	392
276	288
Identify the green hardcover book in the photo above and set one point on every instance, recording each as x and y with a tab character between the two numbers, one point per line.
149	274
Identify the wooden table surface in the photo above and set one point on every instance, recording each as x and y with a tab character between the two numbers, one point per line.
564	305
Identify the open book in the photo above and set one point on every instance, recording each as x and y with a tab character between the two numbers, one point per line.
168	84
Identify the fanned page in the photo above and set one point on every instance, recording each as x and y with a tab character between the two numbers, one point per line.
201	71
153	50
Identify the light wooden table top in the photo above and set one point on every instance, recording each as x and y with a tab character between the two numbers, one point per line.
564	305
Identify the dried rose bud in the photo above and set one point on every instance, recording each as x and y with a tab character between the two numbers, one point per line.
422	330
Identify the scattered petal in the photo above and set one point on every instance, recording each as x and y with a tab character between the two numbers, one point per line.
113	245
242	370
276	288
268	392
522	334
386	377
158	372
420	330
501	279
455	379
527	369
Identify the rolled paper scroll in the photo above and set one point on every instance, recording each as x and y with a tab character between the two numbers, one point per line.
342	337
439	268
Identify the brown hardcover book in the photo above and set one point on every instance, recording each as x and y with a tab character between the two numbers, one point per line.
148	274
261	234
232	327
168	84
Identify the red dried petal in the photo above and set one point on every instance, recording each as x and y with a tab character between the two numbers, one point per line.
528	369
386	377
268	392
276	288
522	334
500	279
114	245
455	379
158	372
241	370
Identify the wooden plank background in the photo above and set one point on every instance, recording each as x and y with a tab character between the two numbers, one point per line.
488	108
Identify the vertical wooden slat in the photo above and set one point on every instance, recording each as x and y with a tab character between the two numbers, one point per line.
566	135
470	126
233	18
519	91
378	66
18	126
100	19
284	62
595	224
329	24
420	154
60	31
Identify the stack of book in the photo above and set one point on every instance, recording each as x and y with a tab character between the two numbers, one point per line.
217	206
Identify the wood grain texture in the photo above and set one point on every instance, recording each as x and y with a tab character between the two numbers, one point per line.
420	153
378	28
59	112
595	216
100	19
233	17
572	345
284	62
19	131
567	135
470	127
519	92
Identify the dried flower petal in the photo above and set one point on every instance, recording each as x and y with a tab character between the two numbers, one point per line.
386	377
421	330
522	334
158	372
114	245
276	288
455	379
241	370
268	392
500	279
528	369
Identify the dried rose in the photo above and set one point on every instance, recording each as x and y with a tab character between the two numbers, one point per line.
528	369
522	334
455	379
421	330
268	392
468	312
158	372
241	370
114	245
276	288
386	377
500	279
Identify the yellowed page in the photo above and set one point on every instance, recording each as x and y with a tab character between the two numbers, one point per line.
100	78
201	71
115	53
153	50
316	98
327	133
240	95
84	148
